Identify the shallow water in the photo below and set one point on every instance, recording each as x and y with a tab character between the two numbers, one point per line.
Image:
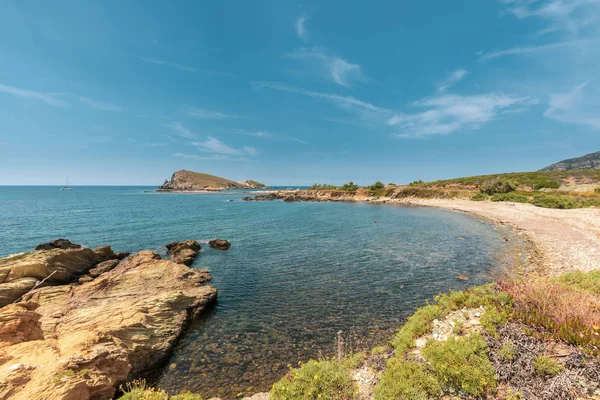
296	272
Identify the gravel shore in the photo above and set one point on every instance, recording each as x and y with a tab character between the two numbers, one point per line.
567	239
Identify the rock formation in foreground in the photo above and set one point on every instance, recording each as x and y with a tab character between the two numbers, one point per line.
189	181
79	341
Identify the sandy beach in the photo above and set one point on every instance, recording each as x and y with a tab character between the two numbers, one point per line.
567	240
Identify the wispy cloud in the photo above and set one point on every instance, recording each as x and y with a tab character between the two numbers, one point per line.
329	66
214	145
216	157
444	114
367	112
180	130
52	99
208	114
265	135
455	77
447	114
99	105
570	107
530	49
570	16
301	30
182	67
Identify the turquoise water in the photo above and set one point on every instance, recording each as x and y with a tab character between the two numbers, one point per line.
296	272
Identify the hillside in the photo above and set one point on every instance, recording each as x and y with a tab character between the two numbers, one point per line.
589	161
184	180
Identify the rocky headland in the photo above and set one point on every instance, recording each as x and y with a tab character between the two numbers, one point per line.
77	322
190	181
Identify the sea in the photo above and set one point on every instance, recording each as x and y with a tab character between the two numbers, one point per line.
296	276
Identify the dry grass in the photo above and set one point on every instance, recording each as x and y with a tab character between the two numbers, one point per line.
560	312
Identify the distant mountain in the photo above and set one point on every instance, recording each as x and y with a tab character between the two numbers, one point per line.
190	181
589	161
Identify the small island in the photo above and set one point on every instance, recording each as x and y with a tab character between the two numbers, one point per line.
190	181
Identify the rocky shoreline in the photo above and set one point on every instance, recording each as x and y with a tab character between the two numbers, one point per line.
77	322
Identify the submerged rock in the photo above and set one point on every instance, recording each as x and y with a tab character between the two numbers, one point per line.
220	244
58	244
183	252
80	341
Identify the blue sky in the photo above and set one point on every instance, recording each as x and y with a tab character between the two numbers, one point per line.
126	92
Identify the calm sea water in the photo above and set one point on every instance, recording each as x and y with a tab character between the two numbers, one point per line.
296	272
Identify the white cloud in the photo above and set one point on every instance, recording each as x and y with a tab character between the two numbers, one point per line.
52	99
531	49
301	28
208	114
214	145
568	16
444	114
455	77
447	114
181	130
99	105
265	135
570	107
331	67
216	157
366	112
182	67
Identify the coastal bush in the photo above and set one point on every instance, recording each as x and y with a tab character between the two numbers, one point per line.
545	366
558	312
493	186
416	183
514	197
549	201
588	282
597	190
139	390
377	185
461	363
323	379
508	351
350	187
492	318
421	321
407	380
324	186
479	197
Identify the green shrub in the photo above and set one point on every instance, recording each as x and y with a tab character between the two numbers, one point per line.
492	318
479	197
497	185
514	197
549	201
138	390
416	183
462	364
350	187
186	396
377	185
354	360
407	380
508	351
323	379
512	395
545	366
379	350
588	282
318	186
597	190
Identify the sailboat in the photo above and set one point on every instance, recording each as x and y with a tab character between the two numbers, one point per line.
66	187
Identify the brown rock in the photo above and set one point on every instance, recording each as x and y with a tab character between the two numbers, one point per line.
103	267
220	244
80	341
183	252
122	254
58	244
21	272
